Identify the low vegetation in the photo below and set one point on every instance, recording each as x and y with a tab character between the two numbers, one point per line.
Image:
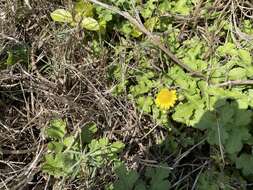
126	95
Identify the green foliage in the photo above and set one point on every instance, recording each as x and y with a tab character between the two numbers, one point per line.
87	132
227	125
62	15
127	179
215	180
220	113
158	178
57	129
18	53
154	179
245	163
83	12
68	153
101	151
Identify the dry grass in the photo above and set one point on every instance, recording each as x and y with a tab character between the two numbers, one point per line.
66	80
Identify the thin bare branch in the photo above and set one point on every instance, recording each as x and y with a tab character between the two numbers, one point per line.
235	82
155	40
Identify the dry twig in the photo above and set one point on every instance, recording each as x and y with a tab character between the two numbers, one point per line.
155	40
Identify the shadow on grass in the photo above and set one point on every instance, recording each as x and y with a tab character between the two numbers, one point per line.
216	153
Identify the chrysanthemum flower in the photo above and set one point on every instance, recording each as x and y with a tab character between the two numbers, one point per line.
166	98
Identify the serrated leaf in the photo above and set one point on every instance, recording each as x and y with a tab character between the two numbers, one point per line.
145	103
217	135
148	9
140	185
225	113
58	165
55	146
245	163
243	117
210	180
127	179
183	112
237	73
117	147
181	7
102	151
56	129
227	49
245	57
83	8
87	132
69	141
237	137
136	32
62	15
158	177
150	23
90	24
249	71
207	121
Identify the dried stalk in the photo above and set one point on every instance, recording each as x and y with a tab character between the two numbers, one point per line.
155	40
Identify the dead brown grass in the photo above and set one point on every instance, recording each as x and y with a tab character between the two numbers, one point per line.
66	80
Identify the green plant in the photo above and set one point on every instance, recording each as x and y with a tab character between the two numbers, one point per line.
68	154
154	179
83	16
17	53
218	103
215	180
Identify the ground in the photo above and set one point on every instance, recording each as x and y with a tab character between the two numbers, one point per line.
78	88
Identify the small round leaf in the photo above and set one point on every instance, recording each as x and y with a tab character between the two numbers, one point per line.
61	15
90	24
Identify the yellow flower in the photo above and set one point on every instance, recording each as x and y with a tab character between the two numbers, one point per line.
166	98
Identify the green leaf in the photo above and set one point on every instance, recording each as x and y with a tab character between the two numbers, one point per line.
117	147
148	9
87	132
207	121
55	146
183	113
237	136
227	49
127	179
237	73
58	165
69	141
140	185
245	57
225	113
181	7
245	163
102	151
17	54
150	23
210	180
10	58
56	129
243	117
217	135
144	85
136	32
83	8
90	24
158	177
165	6
62	15
145	103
